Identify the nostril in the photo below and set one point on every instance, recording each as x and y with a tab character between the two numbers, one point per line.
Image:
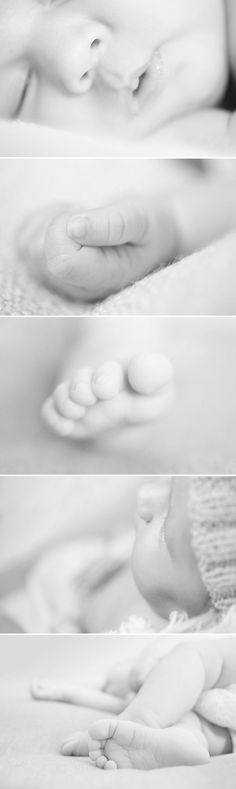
95	43
86	81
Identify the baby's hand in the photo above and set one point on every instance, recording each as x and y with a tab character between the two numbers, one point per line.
89	255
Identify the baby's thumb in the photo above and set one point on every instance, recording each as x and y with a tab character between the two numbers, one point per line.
121	223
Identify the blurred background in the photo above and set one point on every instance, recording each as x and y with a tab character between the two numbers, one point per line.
65	546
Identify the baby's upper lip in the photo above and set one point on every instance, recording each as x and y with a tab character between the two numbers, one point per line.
119	81
135	87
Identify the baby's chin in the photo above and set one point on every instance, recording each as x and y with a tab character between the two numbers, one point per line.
105	121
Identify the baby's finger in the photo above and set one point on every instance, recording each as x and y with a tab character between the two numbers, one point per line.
121	223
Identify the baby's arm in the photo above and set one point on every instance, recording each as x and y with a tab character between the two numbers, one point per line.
65	692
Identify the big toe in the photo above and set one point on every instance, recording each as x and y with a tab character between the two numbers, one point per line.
148	373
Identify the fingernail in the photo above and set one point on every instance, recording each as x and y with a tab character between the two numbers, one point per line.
77	227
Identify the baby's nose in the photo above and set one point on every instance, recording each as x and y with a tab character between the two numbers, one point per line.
123	64
72	59
153	498
122	78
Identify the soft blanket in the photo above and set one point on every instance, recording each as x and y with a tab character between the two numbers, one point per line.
204	283
30	738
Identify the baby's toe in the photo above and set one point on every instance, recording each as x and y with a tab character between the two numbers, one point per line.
77	745
64	405
101	762
95	745
59	424
101	730
80	387
94	755
149	372
68	748
110	765
108	380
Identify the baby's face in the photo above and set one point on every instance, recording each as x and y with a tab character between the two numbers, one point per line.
104	64
164	564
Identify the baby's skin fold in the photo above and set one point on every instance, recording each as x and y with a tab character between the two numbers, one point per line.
182	713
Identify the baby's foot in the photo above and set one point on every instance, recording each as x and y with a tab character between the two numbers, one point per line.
89	255
76	745
96	399
124	744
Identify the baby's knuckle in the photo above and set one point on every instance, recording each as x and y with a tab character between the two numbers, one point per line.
119	224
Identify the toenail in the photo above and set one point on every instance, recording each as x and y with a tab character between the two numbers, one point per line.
108	380
110	765
149	372
65	747
82	394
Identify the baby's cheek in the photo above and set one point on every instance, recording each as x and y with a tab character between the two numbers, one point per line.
197	65
60	250
145	568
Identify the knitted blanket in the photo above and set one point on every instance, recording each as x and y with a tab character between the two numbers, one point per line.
196	285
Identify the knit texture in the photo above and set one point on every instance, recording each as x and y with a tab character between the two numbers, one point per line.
212	508
21	295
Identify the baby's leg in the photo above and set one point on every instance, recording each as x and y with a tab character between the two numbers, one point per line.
168	693
171	689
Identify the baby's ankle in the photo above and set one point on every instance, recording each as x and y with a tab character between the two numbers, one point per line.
138	714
